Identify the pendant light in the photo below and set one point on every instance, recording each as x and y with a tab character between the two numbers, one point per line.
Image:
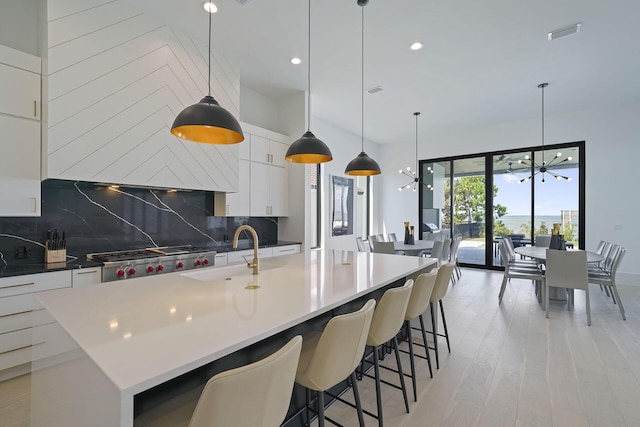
362	165
544	167
416	178
207	122
308	148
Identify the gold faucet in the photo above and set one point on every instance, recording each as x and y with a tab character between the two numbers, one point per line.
250	229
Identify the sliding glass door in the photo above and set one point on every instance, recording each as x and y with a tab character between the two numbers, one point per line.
516	193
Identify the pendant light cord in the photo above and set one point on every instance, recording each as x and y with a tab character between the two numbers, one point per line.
417	162
209	72
309	71
362	94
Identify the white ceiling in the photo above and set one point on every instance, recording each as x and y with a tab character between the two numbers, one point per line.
481	63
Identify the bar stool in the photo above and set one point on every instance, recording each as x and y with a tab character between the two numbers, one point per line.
387	321
439	290
332	356
418	304
264	386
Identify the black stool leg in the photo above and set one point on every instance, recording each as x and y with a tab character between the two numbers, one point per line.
356	396
400	374
444	323
435	335
306	407
321	409
407	327
426	344
376	366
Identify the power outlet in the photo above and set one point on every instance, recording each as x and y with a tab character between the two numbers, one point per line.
20	252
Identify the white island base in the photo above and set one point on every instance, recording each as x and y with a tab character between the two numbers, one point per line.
124	339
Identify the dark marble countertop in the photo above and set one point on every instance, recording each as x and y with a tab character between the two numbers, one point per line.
11	270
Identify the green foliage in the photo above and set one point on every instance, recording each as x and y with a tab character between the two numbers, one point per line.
499	229
469	200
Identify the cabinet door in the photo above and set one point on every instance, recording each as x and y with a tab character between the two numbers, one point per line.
278	191
260	189
260	151
238	203
20	170
278	152
19	92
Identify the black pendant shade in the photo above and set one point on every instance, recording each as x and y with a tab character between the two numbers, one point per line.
208	123
362	165
308	149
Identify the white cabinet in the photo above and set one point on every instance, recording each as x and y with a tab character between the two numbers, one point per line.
220	259
237	256
20	128
86	277
264	178
286	250
238	204
21	315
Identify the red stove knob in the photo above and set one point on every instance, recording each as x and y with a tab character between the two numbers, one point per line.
120	273
198	262
179	264
160	267
205	261
132	271
150	269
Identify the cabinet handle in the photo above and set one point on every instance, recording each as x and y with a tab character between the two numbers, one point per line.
267	157
17	286
221	255
15	314
287	250
227	209
21	348
35	111
87	272
35	204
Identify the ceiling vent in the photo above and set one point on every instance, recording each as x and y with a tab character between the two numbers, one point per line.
242	2
374	89
567	31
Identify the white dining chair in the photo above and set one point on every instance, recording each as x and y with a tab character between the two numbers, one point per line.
608	279
567	269
543	240
514	269
384	248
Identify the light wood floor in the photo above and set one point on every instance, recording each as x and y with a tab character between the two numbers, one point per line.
509	366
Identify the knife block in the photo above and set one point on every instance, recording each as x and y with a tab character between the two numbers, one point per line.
59	255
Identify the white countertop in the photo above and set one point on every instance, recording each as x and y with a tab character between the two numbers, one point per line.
143	332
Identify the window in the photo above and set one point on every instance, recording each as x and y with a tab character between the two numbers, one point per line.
484	197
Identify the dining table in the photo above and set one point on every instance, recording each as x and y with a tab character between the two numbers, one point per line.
539	253
414	248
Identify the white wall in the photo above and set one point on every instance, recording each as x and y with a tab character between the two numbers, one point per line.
260	110
344	147
19	25
612	138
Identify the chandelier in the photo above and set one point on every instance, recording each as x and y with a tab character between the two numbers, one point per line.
544	167
416	178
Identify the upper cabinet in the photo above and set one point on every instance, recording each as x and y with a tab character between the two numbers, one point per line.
264	179
117	78
20	127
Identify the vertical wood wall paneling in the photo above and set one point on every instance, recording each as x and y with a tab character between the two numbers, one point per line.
117	79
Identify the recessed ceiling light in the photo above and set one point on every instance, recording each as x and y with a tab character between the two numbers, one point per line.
210	7
296	61
416	46
563	32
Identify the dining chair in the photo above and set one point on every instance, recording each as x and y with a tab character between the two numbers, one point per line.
384	248
567	269
392	237
515	269
436	251
455	245
543	240
439	291
608	279
258	394
380	238
331	356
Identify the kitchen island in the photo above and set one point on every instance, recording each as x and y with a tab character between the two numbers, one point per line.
122	339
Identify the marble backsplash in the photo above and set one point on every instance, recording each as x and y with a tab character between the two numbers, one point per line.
97	218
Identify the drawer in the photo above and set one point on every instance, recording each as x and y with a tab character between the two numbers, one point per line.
24	320
220	260
286	250
21	347
86	276
236	256
12	341
30	283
